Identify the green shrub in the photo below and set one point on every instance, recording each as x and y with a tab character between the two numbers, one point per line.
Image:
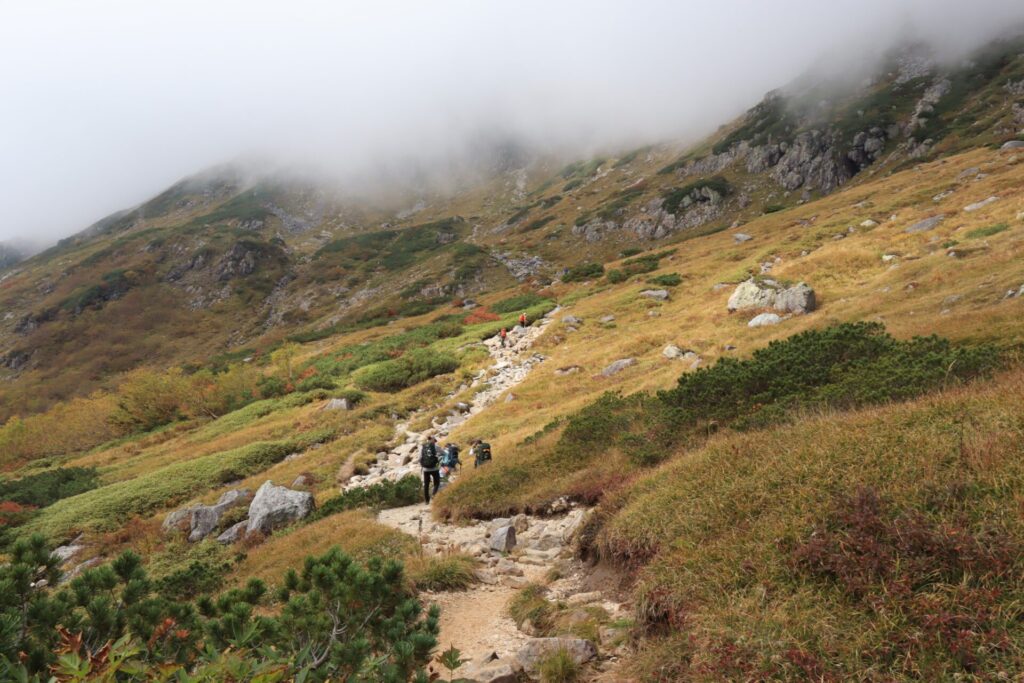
411	368
632	251
842	366
336	619
514	304
583	271
666	280
45	488
381	496
315	382
987	231
615	276
774	208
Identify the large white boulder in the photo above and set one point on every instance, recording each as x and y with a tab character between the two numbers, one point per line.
767	293
275	506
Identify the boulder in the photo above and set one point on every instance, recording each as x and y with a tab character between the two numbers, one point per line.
618	366
764	319
338	404
275	506
233	533
579	599
980	205
176	519
571	320
606	319
65	552
741	237
497	671
796	299
926	224
204	519
869	224
656	294
767	293
569	370
1013	144
536	650
503	539
672	352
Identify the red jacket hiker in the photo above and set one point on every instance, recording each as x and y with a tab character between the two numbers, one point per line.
503	335
522	319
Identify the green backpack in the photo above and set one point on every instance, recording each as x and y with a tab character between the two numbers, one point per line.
483	452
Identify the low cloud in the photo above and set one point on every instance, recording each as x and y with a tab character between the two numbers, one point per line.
107	103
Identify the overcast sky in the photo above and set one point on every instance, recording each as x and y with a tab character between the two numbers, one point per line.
105	103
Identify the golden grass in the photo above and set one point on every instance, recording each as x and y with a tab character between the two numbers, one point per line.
355	531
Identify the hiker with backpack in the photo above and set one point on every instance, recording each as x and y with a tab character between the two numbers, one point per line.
522	319
449	460
503	336
429	462
481	453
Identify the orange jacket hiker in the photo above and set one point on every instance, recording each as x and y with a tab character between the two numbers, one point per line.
522	319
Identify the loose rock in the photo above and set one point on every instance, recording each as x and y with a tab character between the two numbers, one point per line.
618	366
537	649
926	225
764	319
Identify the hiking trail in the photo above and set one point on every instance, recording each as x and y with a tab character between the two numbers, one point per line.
476	620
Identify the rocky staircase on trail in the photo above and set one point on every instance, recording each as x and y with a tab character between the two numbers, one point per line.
512	553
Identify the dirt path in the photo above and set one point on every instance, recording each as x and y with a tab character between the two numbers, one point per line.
476	620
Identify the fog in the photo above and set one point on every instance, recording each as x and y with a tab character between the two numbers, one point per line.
105	103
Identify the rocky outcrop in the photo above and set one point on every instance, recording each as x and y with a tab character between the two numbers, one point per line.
337	404
655	294
275	506
537	650
766	293
202	520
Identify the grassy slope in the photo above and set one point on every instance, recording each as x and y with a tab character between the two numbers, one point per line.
713	535
924	291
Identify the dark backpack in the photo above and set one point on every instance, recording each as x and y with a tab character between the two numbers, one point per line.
450	456
428	456
483	452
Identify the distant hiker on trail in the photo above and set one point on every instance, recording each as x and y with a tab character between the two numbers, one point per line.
481	451
449	460
503	335
522	319
429	462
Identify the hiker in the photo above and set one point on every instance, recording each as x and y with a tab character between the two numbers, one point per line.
429	462
449	460
503	335
522	319
481	453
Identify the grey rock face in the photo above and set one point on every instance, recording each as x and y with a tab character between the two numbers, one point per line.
537	649
927	224
275	506
618	366
1013	144
503	539
796	299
